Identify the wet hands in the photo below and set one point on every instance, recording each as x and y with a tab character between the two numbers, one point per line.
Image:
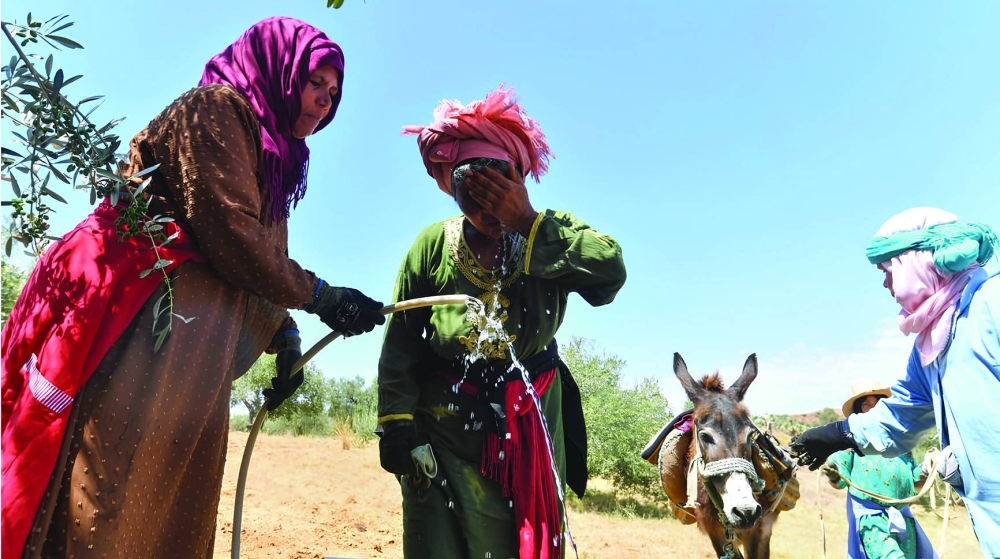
505	198
402	451
287	347
815	445
346	310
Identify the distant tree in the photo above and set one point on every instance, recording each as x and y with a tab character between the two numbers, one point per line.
349	395
782	426
13	279
827	415
620	421
354	406
311	398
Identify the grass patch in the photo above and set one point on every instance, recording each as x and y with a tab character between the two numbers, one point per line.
611	503
299	425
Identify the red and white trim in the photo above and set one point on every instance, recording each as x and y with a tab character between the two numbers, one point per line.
44	391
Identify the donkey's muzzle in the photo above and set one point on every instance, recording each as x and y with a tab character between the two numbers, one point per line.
745	517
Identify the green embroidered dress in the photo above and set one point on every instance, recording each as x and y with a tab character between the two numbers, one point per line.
891	477
467	515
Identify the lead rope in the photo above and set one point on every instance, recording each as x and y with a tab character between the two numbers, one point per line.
932	477
928	484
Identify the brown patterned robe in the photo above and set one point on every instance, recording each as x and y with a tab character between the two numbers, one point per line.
141	466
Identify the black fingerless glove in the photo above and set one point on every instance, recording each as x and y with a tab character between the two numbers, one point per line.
815	445
399	438
287	347
345	310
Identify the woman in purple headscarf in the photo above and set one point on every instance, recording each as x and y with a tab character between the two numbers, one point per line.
113	448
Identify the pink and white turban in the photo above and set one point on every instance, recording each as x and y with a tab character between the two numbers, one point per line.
495	127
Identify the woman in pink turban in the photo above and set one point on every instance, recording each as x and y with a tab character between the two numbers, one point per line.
482	449
114	439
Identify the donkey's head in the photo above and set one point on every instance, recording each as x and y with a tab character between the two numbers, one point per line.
723	428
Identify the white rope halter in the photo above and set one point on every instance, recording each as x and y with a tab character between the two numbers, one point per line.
734	465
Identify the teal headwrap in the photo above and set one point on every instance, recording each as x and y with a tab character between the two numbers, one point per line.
955	245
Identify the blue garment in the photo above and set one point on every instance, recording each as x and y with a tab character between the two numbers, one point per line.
859	508
958	393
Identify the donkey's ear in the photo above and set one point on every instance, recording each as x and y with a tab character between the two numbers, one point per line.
739	388
690	386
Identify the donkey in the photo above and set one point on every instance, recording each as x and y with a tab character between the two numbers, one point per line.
727	510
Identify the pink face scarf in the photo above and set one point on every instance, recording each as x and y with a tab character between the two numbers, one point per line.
494	127
927	295
928	298
270	66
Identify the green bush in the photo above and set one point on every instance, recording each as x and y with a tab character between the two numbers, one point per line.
299	425
782	426
827	415
620	421
13	279
240	422
364	421
356	402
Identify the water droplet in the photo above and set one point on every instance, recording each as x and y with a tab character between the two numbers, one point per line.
451	504
444	482
501	455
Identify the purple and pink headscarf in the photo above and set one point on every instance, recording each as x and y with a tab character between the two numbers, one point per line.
495	127
269	65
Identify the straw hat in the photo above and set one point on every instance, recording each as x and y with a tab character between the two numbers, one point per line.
863	388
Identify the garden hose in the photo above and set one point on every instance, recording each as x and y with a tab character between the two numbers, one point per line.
297	369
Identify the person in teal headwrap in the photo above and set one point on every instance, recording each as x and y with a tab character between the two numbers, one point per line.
933	268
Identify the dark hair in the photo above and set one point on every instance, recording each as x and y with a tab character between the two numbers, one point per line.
856	408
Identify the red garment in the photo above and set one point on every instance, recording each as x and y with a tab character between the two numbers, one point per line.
80	298
524	470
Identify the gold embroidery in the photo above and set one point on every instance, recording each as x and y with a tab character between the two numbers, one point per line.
483	339
531	241
480	339
395	417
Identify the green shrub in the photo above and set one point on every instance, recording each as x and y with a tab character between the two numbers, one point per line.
620	421
299	425
240	422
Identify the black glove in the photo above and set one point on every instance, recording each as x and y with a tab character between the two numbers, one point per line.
288	348
345	310
814	446
399	438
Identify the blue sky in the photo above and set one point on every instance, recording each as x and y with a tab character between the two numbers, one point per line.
741	153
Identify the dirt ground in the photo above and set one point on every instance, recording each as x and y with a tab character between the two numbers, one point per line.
310	498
